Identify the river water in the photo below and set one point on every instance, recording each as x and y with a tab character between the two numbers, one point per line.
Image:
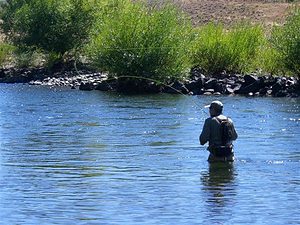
74	157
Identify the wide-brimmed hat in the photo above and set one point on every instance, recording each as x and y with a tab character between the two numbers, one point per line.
216	105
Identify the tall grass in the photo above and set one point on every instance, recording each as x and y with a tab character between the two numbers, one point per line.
216	49
137	40
286	41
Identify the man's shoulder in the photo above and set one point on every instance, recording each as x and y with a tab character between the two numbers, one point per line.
230	120
222	118
214	120
209	119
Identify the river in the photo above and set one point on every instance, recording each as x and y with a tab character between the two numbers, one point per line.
74	157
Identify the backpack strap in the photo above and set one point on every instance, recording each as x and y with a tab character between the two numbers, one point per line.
221	120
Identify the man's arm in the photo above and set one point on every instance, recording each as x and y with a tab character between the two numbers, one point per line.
234	135
204	136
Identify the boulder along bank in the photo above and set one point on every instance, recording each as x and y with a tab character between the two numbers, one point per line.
224	84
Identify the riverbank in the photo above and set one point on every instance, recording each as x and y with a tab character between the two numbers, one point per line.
199	84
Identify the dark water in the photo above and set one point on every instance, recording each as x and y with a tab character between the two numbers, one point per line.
72	157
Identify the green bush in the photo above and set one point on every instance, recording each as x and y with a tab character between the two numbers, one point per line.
6	52
216	50
267	59
286	41
50	25
27	57
141	41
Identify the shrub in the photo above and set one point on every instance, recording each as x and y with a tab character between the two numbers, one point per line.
216	50
50	25
286	40
267	59
6	51
28	57
137	40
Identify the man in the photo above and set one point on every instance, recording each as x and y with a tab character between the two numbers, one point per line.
219	132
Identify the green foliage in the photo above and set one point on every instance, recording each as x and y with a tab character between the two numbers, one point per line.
267	59
286	41
135	40
51	25
6	51
24	57
216	50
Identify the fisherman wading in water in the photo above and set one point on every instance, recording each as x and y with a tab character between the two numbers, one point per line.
219	132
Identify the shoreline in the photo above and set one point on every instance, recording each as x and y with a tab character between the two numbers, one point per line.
225	84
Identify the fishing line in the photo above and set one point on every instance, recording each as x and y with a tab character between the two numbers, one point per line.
151	80
202	109
141	48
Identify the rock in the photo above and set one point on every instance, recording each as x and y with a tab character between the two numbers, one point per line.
280	93
247	88
211	83
236	87
292	86
262	81
103	86
196	72
269	81
290	82
278	86
263	91
36	82
86	86
176	88
221	88
250	79
229	90
207	93
136	86
227	81
195	85
152	87
2	73
210	90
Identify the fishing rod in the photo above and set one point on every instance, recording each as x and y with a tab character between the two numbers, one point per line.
202	109
160	83
148	79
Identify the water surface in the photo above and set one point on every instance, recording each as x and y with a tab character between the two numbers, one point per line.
73	157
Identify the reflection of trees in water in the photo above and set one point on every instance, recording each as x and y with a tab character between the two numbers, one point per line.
219	186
